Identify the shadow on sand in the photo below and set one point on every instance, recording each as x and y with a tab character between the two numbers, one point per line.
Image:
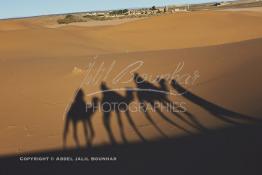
80	112
236	149
214	109
114	104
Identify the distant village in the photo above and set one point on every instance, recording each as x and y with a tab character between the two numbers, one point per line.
143	12
137	12
120	14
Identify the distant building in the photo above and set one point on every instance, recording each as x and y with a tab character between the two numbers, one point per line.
166	9
180	10
161	10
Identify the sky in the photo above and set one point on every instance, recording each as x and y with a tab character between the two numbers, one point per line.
26	8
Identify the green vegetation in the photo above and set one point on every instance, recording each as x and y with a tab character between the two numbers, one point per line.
70	19
153	8
118	12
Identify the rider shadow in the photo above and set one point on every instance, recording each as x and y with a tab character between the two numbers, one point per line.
150	94
113	102
220	112
79	111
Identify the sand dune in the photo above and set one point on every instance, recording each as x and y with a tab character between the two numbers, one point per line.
42	67
183	30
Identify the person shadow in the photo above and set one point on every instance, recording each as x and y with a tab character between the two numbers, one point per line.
117	103
150	94
79	111
218	111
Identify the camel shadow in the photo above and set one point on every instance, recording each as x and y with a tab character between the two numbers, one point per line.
117	103
215	110
79	111
157	96
148	94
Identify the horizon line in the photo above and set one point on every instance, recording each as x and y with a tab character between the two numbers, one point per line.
104	10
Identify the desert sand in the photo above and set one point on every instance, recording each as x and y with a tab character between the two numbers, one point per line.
41	68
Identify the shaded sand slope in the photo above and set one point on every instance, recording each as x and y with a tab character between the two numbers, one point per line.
36	91
32	38
235	150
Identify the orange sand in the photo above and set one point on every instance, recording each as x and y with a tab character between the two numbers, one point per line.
38	76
